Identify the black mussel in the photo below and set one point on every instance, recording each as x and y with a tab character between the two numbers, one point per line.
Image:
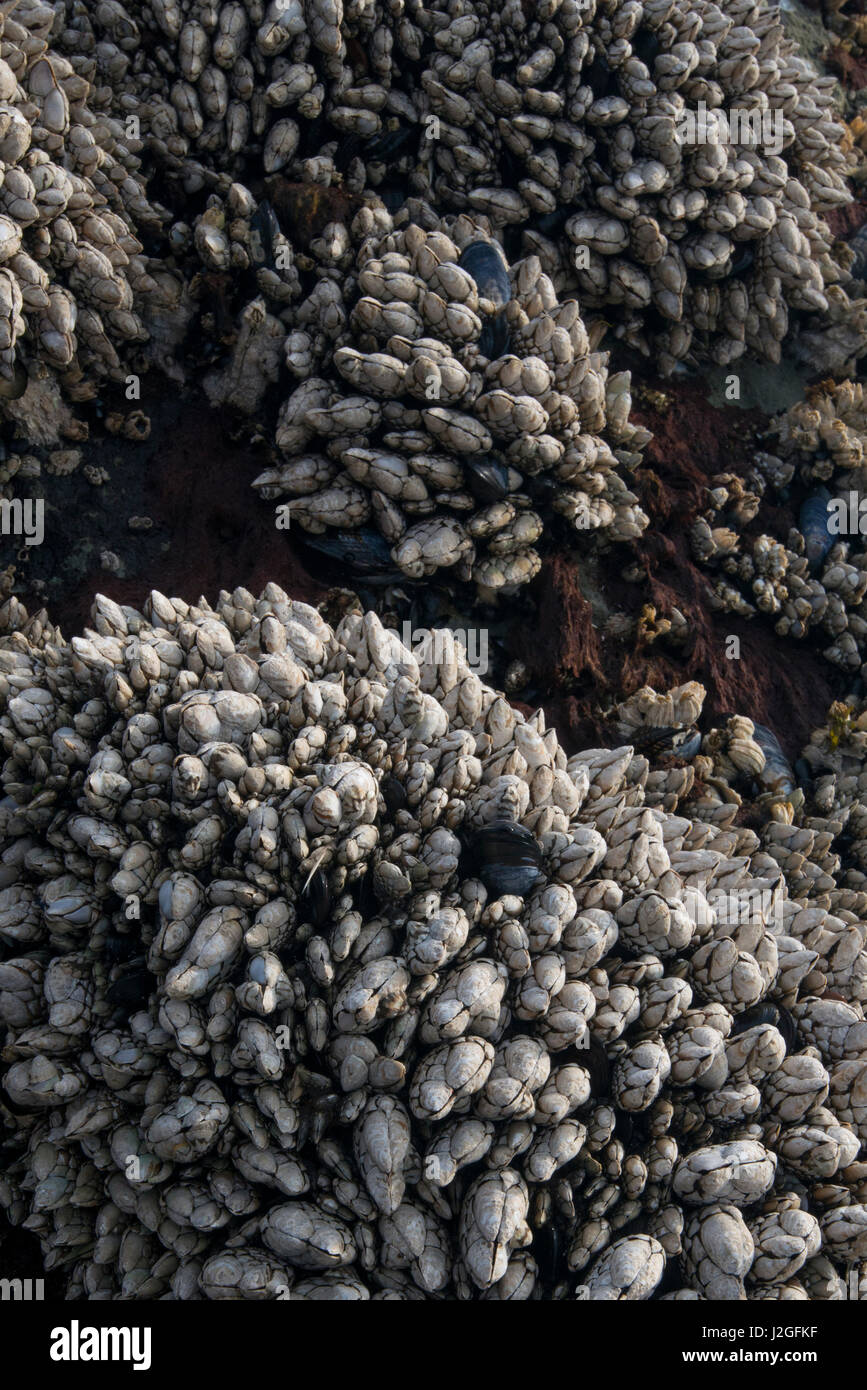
624	1127
595	1059
314	900
645	45
485	262
543	488
350	147
264	229
390	144
804	774
690	745
365	552
119	946
776	776
551	224
393	794
507	858
671	1280
667	738
742	263
767	1012
131	990
599	77
364	896
494	337
487	478
394	194
815	526
549	1251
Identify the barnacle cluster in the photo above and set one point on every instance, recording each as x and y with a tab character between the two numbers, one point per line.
325	971
834	759
74	283
815	580
446	401
670	160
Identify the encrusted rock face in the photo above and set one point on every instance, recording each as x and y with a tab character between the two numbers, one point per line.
324	969
74	284
667	159
445	404
814	579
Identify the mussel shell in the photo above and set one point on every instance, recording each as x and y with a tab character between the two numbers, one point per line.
767	1012
264	228
494	337
393	794
364	896
598	76
671	1279
365	552
690	746
485	262
119	946
314	901
742	264
394	193
549	1251
487	479
507	858
624	1127
804	774
390	143
131	990
645	45
551	224
349	148
667	738
776	775
814	524
594	1059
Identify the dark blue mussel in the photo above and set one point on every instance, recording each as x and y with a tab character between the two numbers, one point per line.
507	858
393	794
814	524
314	900
484	261
487	478
652	742
549	1251
742	264
805	775
391	143
118	947
767	1012
776	776
365	552
131	990
264	228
